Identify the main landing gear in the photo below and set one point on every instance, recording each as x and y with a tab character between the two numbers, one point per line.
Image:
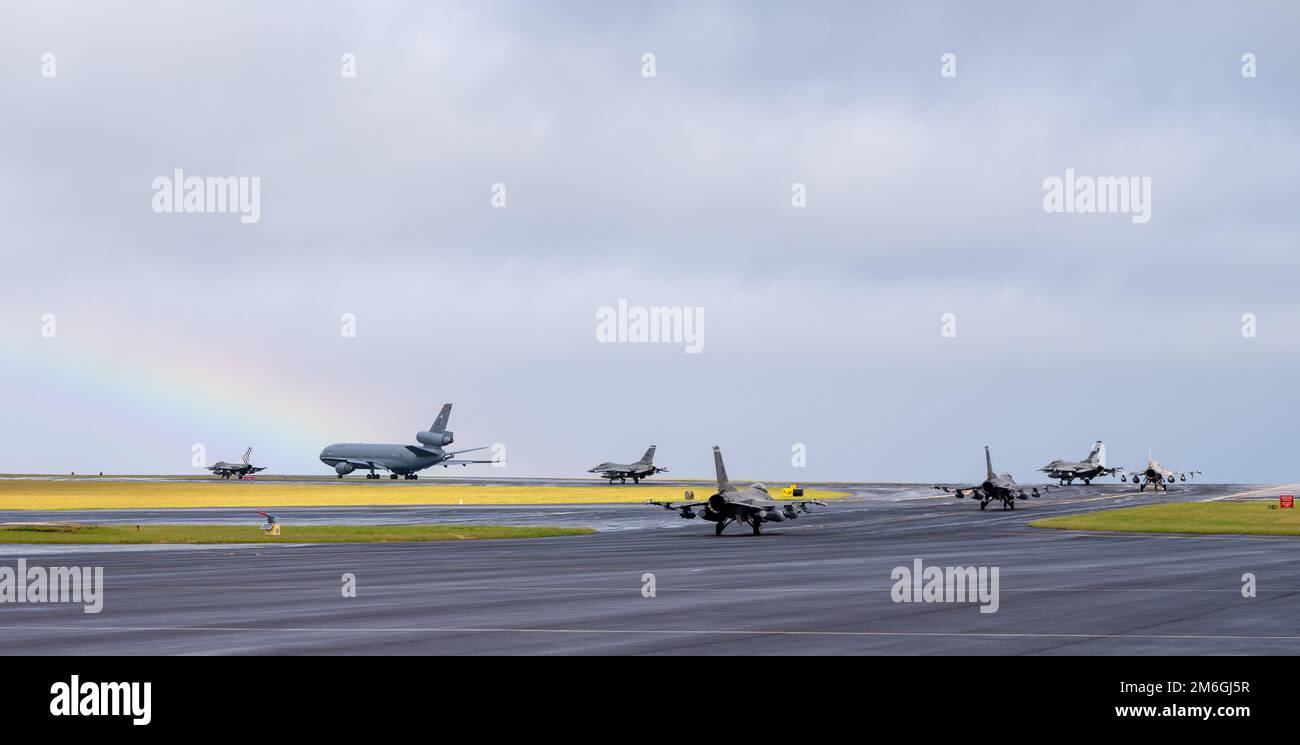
755	524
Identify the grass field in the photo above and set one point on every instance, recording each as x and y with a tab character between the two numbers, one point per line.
251	533
1244	518
117	495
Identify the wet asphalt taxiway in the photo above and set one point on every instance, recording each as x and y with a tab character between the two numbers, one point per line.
817	585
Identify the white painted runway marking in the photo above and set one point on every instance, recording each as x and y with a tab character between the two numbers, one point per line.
1265	490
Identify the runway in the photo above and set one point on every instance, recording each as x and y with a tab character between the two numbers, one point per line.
818	585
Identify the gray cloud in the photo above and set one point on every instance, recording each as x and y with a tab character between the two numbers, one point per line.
822	324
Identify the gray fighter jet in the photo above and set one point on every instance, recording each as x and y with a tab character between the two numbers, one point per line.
1086	470
624	471
751	505
226	470
1155	475
1001	488
399	460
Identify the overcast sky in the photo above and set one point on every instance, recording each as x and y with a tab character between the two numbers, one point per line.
821	324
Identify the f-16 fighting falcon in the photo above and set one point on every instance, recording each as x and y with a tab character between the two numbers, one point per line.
751	505
1087	469
1002	488
399	460
624	471
226	470
1155	475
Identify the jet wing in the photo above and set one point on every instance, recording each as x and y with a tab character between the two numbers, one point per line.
960	490
685	510
1021	491
359	463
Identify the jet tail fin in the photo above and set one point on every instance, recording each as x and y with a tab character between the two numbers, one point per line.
723	484
649	456
247	453
440	424
988	461
1098	454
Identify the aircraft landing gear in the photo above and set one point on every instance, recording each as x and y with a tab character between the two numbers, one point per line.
757	525
1011	502
392	476
621	481
721	526
984	503
1087	482
636	480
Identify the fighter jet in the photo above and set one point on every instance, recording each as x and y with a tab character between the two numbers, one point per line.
751	505
226	470
1087	469
1155	475
399	460
1002	488
624	471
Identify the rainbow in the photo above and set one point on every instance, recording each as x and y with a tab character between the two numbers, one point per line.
221	397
